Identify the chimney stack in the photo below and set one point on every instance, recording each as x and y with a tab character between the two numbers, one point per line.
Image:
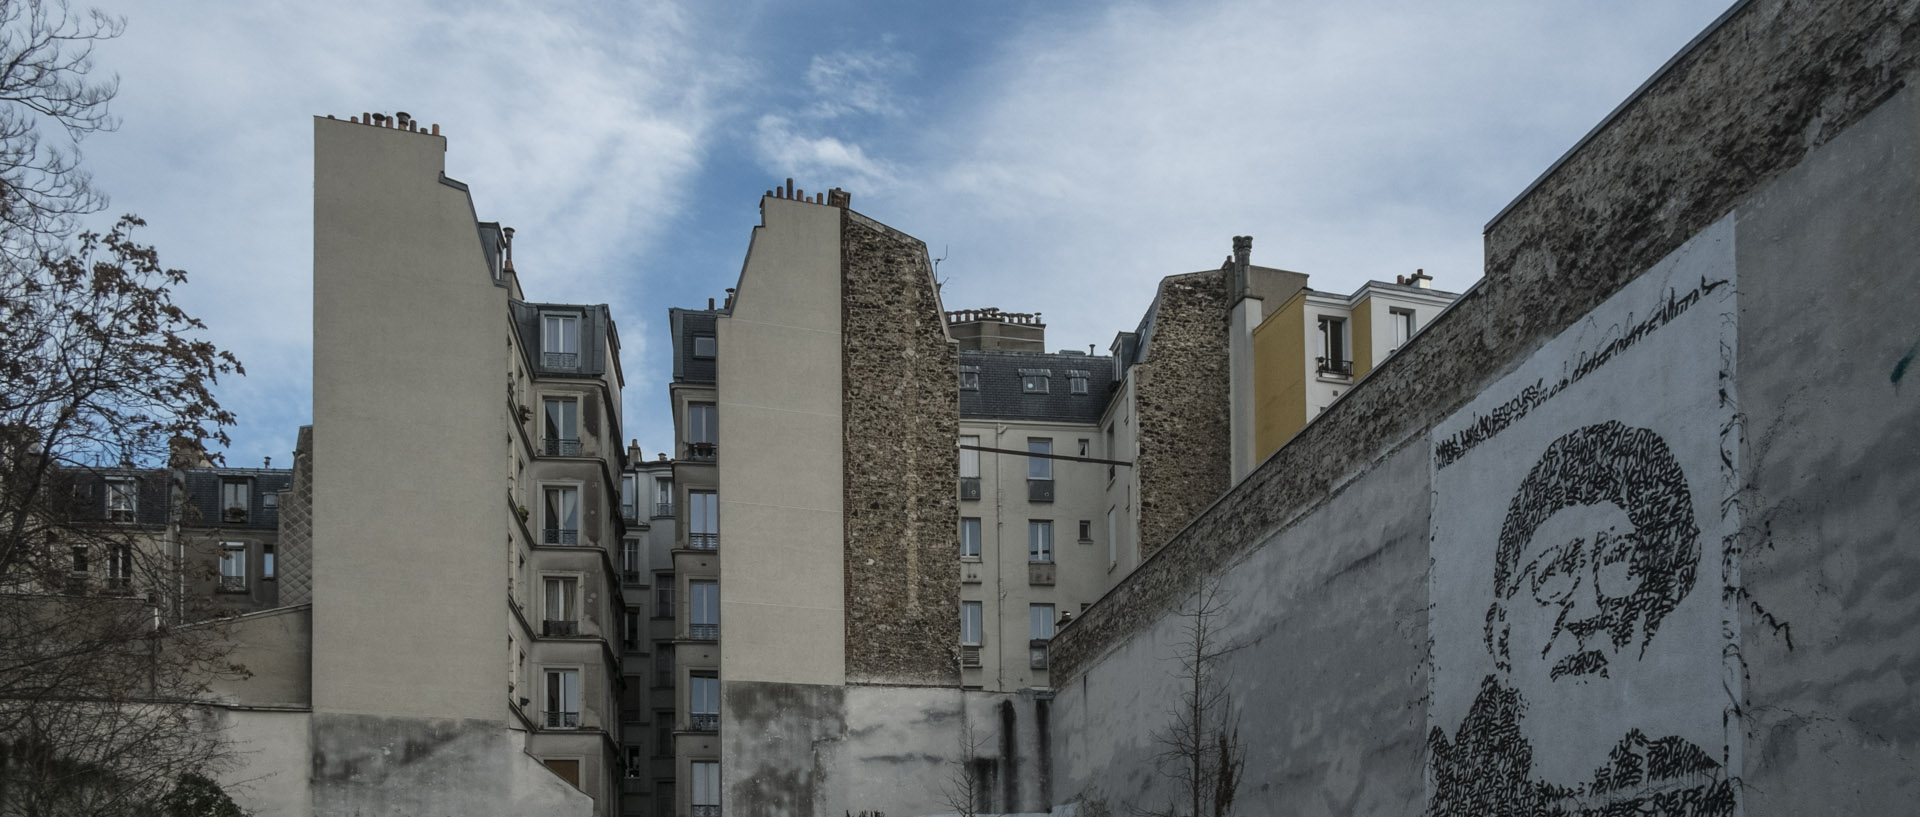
1421	279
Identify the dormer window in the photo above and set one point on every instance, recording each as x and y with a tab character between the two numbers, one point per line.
1035	381
1076	381
123	499
969	378
560	342
705	347
233	501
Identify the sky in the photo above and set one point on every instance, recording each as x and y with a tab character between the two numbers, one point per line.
1056	157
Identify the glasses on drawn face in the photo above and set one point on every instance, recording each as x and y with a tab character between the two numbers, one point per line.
1602	560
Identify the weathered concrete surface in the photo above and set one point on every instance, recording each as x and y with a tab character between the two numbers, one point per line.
895	750
269	775
901	420
368	766
1831	395
1825	345
1183	395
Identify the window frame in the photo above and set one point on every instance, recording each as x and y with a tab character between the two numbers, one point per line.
970	545
1040	549
123	499
969	457
972	618
560	695
550	532
557	432
703	519
1035	625
1040	468
1403	325
712	344
233	567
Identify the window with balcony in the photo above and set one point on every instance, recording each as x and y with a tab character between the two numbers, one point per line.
560	515
706	789
233	501
970	537
703	431
1333	358
1039	540
233	567
969	467
562	606
560	342
560	430
703	520
123	499
1040	469
662	498
563	699
703	611
703	702
634	763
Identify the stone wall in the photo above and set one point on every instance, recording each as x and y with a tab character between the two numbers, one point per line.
901	426
1182	395
1789	131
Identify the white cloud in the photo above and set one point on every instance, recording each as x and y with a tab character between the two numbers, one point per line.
783	150
857	82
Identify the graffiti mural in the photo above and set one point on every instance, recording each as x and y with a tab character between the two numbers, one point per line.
1584	646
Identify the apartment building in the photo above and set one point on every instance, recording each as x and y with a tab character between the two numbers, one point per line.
687	596
1311	349
647	635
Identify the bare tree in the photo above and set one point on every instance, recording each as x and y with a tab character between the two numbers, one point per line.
1200	749
965	789
49	101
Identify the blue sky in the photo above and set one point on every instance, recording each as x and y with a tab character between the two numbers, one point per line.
1061	156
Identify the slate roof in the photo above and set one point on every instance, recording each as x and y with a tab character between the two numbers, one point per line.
203	497
686	324
1000	396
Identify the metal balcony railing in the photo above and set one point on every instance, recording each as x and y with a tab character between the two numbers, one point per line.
567	361
703	541
704	721
561	629
661	509
704	811
560	536
702	452
561	446
233	584
703	632
563	720
234	516
1334	366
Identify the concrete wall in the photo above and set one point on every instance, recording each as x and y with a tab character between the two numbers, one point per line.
1777	156
900	424
783	599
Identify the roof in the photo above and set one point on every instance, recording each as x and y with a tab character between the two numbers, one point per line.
1001	396
688	323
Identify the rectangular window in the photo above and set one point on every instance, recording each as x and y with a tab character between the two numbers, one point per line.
1333	347
1113	538
560	433
969	458
703	520
1086	530
703	698
703	423
1042	621
1039	540
706	789
705	347
560	517
233	500
1040	467
233	566
560	342
630	560
630	630
270	500
561	604
663	739
663	670
635	764
1076	381
630	497
703	611
563	699
1402	326
79	558
1034	383
119	565
662	497
266	562
969	378
970	537
123	499
663	595
970	620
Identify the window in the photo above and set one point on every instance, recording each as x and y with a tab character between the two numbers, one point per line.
79	558
1110	453
560	435
560	515
562	601
233	567
703	520
663	595
704	702
703	420
630	560
706	790
969	378
1039	540
970	537
970	621
266	562
1076	381
629	497
560	342
630	630
233	500
269	499
1113	539
663	737
1040	467
1333	348
1086	530
662	497
1402	326
1035	381
705	346
703	611
123	499
563	699
1042	621
635	764
1083	447
120	566
663	671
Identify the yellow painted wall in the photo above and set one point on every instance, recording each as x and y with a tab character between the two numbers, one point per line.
1361	331
1279	376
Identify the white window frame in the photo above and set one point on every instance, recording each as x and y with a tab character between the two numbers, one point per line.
703	610
704	783
1403	326
972	621
1076	384
1040	621
234	497
969	458
560	333
703	423
1333	339
123	499
695	682
970	537
1040	541
1040	467
1035	384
